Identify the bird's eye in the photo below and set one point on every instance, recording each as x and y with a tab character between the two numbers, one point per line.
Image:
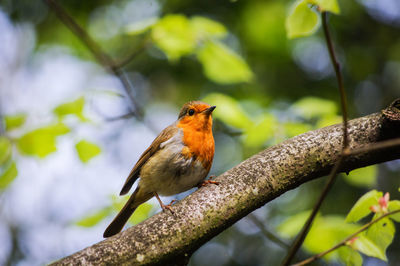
191	112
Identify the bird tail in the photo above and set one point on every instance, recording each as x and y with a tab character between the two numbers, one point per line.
122	217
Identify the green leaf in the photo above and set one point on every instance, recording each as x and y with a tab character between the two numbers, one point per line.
313	107
222	65
261	131
206	28
394	205
141	213
87	150
382	234
327	5
8	176
94	218
327	232
350	257
302	20
71	108
42	141
363	177
228	110
14	121
361	208
5	150
368	247
174	35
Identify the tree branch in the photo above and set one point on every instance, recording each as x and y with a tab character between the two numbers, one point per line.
171	239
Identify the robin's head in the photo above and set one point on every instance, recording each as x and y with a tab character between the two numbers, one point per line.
197	115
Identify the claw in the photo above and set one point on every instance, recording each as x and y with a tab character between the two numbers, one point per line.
208	181
163	206
168	207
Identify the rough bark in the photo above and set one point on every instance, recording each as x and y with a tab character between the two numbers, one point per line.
171	239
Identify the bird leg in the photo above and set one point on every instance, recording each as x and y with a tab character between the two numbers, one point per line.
208	181
164	207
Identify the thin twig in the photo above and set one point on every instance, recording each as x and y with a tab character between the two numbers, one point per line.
129	58
103	58
336	66
343	242
332	176
124	116
267	233
392	143
304	231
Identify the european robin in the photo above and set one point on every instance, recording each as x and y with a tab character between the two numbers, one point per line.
178	159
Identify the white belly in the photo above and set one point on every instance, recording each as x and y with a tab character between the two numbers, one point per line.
168	173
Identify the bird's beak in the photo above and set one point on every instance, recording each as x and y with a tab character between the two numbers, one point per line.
209	110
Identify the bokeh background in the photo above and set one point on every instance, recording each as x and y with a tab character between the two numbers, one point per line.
67	146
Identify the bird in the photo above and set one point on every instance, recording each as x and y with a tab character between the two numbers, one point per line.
178	159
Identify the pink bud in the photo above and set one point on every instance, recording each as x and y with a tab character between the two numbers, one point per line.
374	208
383	201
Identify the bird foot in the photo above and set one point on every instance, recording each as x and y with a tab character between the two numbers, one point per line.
168	207
208	181
163	206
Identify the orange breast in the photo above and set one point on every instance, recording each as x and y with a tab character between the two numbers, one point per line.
199	141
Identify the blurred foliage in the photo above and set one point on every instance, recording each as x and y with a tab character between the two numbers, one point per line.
42	141
10	172
267	88
71	108
303	21
363	177
87	150
14	121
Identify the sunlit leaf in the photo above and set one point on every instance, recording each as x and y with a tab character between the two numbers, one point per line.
140	27
205	28
8	176
228	110
363	177
87	150
94	218
14	121
141	213
368	247
5	149
174	35
261	131
382	234
350	256
327	5
394	205
313	107
222	65
42	141
302	20
327	232
361	208
71	108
